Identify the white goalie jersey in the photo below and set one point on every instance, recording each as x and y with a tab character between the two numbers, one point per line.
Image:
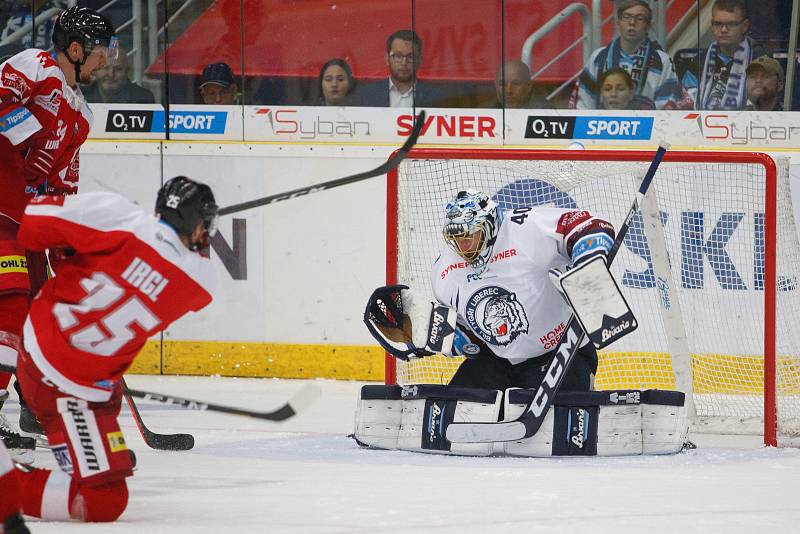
512	306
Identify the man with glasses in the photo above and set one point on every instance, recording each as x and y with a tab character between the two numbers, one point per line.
44	120
650	68
403	88
718	79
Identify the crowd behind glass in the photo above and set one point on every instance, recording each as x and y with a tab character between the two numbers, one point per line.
741	67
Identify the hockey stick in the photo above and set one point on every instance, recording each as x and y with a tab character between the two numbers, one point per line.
304	397
527	424
162	442
393	161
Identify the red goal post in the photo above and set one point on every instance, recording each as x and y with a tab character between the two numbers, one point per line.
731	270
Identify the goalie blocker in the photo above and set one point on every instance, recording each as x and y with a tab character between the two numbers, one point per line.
592	423
595	299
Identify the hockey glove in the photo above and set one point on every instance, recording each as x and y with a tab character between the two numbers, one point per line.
408	325
40	158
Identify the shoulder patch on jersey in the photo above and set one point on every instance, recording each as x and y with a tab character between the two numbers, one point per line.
571	219
495	314
46	59
16	81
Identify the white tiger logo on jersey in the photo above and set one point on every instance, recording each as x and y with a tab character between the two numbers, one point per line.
496	315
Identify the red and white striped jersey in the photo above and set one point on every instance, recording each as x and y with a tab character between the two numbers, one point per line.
513	306
36	100
130	278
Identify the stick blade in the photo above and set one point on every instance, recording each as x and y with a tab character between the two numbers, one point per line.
169	442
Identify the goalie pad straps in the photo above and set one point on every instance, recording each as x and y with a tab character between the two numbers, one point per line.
407	324
597	302
413	418
603	423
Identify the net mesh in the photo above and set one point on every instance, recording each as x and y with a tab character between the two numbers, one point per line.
712	216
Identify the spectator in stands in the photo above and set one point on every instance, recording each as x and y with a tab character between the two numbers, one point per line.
616	89
764	85
218	86
113	84
402	89
649	67
19	14
514	88
336	82
718	79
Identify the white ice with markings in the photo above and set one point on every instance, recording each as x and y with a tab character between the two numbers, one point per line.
305	476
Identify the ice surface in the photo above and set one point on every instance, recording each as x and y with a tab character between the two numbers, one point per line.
306	476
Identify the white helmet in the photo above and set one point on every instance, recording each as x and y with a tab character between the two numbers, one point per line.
473	220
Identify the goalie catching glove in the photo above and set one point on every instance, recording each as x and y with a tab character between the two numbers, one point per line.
407	324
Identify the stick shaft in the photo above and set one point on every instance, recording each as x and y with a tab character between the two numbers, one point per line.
393	161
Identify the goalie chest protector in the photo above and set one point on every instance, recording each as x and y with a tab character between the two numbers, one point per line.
512	306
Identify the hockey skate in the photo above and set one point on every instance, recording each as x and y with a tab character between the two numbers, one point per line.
20	447
27	420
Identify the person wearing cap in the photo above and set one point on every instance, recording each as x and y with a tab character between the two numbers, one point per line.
218	86
764	85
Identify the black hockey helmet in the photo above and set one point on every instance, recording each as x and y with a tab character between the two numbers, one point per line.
84	25
182	203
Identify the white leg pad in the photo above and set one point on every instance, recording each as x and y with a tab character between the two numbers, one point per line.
603	423
413	418
664	428
378	422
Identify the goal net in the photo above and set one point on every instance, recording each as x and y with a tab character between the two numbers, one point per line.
709	267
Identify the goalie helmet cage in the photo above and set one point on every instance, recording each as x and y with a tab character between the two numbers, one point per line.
733	347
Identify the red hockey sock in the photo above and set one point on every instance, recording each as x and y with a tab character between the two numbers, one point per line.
55	495
13	308
9	496
47	494
5	380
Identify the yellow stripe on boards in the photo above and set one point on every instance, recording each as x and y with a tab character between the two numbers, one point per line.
276	360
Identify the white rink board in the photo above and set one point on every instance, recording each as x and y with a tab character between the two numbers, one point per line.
311	262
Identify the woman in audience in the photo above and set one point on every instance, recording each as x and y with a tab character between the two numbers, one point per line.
617	91
336	82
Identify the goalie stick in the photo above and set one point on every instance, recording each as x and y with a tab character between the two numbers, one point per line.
393	161
527	424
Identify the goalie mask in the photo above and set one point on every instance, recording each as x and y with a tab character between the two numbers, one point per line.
473	221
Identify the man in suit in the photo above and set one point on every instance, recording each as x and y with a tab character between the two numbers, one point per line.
402	89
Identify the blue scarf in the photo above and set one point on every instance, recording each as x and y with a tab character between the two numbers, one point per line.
728	89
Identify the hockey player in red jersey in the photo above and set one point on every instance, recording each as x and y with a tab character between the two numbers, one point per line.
127	275
44	120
